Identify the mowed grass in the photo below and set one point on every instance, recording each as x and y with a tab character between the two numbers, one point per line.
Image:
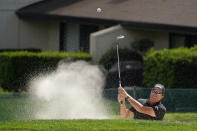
172	122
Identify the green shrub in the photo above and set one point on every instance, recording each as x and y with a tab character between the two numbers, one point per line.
110	57
175	68
17	67
142	45
194	48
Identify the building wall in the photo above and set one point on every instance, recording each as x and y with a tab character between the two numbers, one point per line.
17	33
39	34
161	39
8	30
102	41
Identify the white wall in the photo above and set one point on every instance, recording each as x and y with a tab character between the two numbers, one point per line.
103	40
8	30
39	34
53	37
17	33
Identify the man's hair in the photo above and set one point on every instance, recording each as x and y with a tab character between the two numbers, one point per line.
161	87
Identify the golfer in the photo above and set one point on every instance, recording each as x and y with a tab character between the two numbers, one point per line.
147	109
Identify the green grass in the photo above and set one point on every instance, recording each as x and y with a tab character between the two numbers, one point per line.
22	107
16	113
172	122
14	106
1	90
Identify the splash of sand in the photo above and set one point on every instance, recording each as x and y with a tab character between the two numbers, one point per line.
72	91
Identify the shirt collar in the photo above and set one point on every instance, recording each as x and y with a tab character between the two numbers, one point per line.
153	104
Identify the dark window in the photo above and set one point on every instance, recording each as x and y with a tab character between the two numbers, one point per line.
178	40
191	40
62	38
85	31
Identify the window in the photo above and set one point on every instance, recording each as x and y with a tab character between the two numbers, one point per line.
75	37
62	38
178	40
69	37
85	31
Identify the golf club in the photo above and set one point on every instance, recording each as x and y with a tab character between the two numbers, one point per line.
117	45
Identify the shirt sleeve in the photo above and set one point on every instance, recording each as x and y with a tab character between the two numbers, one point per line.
159	112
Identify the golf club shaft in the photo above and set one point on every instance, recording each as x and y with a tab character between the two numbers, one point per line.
119	80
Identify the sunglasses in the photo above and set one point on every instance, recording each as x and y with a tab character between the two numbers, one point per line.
153	91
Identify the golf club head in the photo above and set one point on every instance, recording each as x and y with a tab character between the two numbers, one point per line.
120	37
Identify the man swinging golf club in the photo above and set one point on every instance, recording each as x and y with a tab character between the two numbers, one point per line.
147	109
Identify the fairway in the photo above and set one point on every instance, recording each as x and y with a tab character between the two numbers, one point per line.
171	122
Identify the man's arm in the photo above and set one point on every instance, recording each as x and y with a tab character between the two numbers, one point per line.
125	113
140	108
137	105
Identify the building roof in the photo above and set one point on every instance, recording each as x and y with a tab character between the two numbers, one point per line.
166	15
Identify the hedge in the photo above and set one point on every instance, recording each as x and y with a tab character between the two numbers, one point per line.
175	68
17	67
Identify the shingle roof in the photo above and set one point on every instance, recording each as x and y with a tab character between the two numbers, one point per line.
170	15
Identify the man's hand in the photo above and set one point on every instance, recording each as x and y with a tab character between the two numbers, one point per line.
122	92
120	99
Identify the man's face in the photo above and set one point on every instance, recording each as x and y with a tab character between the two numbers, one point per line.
156	95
